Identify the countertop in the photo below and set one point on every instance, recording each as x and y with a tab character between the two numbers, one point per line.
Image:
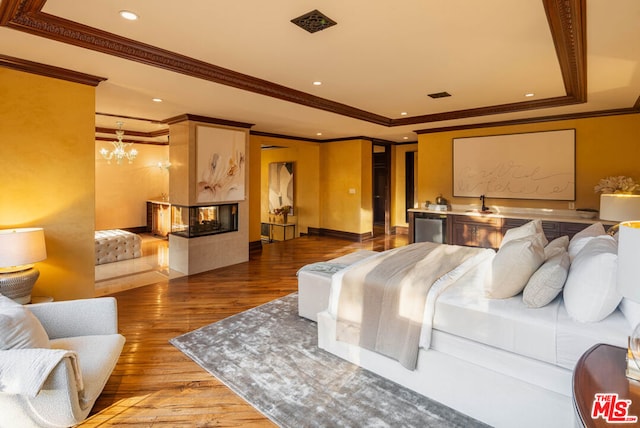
571	216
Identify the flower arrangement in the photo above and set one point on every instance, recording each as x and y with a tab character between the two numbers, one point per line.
616	184
279	215
282	210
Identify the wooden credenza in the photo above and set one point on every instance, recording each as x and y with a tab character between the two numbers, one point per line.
487	231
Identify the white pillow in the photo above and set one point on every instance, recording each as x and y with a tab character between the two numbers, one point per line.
631	311
590	293
512	267
547	282
19	328
557	246
581	238
531	228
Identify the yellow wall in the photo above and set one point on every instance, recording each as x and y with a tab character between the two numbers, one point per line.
604	146
122	190
346	165
255	182
182	154
306	172
47	175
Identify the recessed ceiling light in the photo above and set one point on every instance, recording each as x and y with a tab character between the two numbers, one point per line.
530	94
319	134
156	100
317	83
127	14
404	113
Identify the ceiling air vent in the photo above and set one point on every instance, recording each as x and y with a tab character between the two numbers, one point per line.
314	21
440	95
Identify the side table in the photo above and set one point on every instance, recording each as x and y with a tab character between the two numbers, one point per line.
285	228
600	375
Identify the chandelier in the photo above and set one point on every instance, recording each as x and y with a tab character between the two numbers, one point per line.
119	151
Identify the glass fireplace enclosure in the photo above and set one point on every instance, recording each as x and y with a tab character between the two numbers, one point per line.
194	221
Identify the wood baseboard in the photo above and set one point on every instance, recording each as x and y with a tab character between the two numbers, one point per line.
350	236
400	230
255	246
139	229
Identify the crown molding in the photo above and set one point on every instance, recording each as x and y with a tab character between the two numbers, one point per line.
542	119
129	140
49	71
205	119
567	22
152	134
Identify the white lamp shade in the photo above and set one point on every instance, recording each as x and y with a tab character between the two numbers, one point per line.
619	207
21	246
629	260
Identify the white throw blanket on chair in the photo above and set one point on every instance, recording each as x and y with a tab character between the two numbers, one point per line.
24	371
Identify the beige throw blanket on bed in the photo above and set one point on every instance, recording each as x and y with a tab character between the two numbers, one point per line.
382	299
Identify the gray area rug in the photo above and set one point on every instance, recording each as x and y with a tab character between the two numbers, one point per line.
269	356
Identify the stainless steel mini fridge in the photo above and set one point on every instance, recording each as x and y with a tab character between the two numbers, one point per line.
430	228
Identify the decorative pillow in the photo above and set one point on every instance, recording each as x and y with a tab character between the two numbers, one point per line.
581	238
531	228
547	282
19	328
555	247
590	293
631	311
512	267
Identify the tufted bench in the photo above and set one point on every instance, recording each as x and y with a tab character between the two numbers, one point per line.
115	245
314	282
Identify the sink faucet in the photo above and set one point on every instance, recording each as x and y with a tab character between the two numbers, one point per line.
484	207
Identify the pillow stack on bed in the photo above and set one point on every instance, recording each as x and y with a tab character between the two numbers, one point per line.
520	254
583	269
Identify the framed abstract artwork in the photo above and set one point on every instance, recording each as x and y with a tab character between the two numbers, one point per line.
535	165
281	186
220	165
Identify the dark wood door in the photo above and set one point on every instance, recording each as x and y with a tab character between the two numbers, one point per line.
410	173
380	187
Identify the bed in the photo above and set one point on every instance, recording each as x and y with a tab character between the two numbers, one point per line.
498	359
116	245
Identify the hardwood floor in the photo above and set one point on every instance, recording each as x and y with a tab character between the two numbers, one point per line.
154	384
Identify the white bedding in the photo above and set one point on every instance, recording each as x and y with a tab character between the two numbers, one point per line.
462	310
473	258
546	334
574	338
520	359
456	306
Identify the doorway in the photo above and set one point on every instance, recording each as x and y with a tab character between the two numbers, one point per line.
411	192
381	189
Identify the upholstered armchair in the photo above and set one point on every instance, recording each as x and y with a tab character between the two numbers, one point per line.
52	377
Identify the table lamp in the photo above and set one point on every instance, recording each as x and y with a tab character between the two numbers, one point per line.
619	206
629	285
19	250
